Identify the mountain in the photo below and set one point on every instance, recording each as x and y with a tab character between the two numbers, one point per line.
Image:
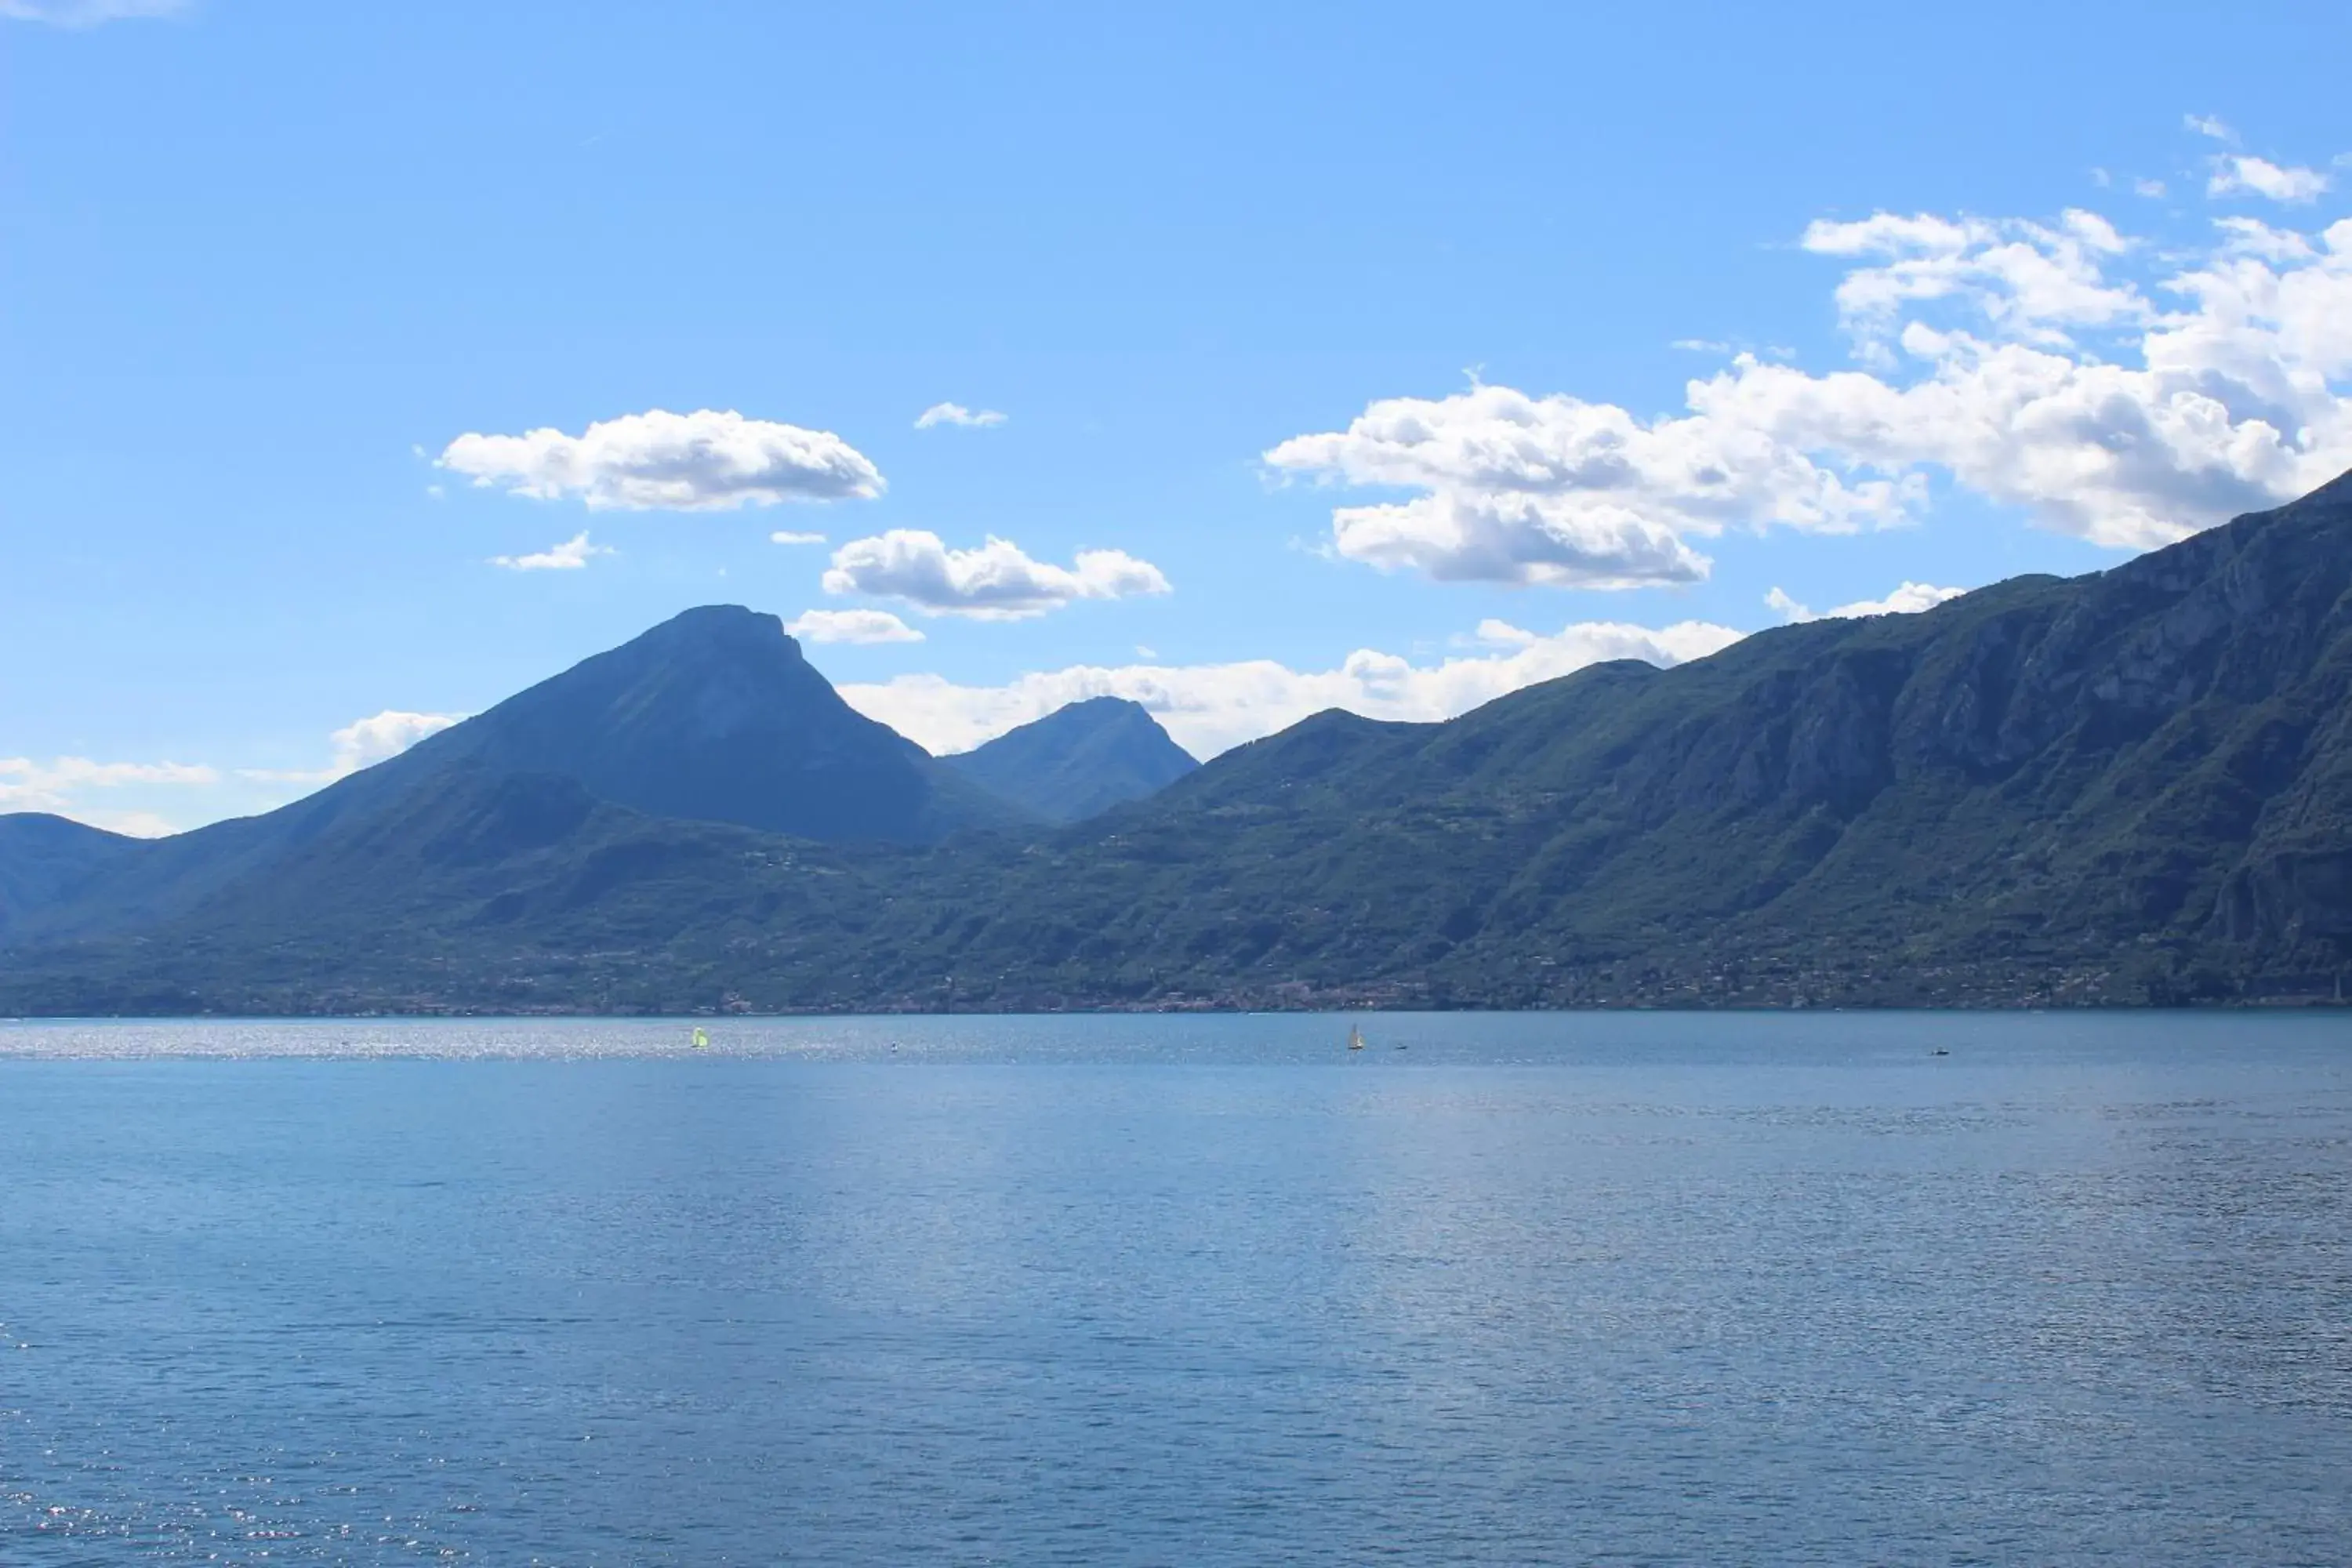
712	716
2125	788
1078	762
45	860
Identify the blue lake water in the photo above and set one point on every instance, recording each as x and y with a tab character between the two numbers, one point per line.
1566	1288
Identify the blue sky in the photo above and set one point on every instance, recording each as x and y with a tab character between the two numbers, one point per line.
1344	353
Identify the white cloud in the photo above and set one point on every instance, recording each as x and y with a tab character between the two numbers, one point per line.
2035	282
852	626
22	779
956	413
80	788
366	742
1558	491
362	743
2118	392
2151	188
705	461
1906	600
2210	125
57	785
1210	708
2261	177
1458	536
569	556
130	823
86	13
996	582
1492	633
784	536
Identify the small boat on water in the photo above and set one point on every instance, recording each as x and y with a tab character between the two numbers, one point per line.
701	1040
1354	1038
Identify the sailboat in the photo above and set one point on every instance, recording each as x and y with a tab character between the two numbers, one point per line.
1354	1038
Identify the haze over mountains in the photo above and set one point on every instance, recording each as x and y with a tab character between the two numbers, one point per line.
2129	787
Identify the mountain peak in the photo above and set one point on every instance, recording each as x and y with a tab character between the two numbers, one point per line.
731	627
1079	760
719	620
715	715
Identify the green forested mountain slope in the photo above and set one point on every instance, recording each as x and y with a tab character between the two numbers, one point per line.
2129	787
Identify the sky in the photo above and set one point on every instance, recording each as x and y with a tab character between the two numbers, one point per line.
362	364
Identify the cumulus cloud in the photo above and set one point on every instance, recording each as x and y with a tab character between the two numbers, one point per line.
785	536
1493	633
1907	600
1489	538
569	556
709	461
957	414
2261	177
851	626
365	743
997	582
2120	391
86	13
1558	490
362	743
1213	707
2036	282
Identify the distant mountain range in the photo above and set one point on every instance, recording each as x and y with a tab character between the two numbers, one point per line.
2131	787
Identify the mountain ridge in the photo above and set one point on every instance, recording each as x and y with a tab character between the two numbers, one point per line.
2130	787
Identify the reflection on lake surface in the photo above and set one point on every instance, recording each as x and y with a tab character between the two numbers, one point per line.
1178	1290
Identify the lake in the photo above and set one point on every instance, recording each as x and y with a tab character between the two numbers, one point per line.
1550	1288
